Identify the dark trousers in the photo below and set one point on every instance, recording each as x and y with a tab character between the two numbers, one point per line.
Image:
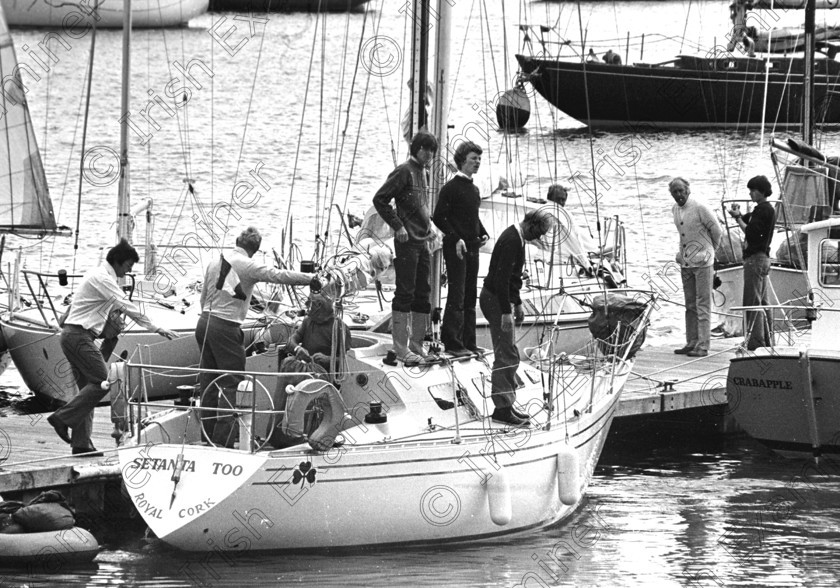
90	371
756	272
505	354
458	328
413	268
222	345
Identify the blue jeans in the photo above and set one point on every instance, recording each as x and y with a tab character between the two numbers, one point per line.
90	371
697	288
458	328
756	272
505	354
413	268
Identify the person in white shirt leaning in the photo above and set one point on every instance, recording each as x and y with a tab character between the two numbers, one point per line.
98	296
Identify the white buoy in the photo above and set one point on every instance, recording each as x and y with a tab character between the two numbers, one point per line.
498	497
568	476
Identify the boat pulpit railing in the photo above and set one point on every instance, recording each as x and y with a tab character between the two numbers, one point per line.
40	294
232	408
781	324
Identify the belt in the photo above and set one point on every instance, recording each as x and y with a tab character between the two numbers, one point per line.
71	327
207	315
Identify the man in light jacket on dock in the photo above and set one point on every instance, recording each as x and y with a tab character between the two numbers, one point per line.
700	234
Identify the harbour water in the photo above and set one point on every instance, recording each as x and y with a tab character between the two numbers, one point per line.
269	103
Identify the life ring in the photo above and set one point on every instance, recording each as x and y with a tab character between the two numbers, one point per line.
48	548
298	398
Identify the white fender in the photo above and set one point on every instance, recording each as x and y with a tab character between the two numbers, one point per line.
119	406
568	476
498	497
299	397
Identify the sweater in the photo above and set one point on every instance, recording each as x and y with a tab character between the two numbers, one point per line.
699	231
406	186
759	231
456	213
504	276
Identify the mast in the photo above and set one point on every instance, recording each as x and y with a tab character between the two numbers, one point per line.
123	193
808	74
420	65
440	115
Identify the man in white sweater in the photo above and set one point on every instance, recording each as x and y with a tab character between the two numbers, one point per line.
700	234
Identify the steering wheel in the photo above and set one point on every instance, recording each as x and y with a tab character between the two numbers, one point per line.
228	400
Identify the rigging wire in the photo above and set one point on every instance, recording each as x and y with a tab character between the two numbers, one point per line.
84	140
288	228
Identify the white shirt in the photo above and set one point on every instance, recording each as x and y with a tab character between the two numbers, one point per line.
99	294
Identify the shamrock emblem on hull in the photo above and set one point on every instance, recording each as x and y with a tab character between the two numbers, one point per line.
304	473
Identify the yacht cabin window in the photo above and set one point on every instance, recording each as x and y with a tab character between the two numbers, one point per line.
830	263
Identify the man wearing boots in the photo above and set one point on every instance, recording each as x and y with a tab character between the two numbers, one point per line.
501	306
412	226
456	215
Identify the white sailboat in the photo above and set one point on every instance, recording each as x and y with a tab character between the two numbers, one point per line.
398	456
72	14
31	333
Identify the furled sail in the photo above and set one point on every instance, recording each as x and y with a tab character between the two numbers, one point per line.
25	205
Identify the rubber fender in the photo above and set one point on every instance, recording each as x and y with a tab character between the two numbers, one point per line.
568	476
498	497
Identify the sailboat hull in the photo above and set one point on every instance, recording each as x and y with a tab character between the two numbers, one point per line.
425	491
37	355
144	13
787	286
770	397
687	92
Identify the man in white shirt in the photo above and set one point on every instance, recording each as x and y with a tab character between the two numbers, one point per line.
226	293
98	295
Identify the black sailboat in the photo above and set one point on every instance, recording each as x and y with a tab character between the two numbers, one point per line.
725	88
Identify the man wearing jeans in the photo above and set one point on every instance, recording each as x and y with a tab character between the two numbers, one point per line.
501	305
700	235
411	222
98	295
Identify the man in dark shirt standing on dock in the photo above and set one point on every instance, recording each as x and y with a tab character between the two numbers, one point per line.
412	225
758	233
700	235
456	214
500	296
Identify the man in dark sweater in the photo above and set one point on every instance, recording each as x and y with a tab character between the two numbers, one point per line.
758	232
502	306
412	226
456	215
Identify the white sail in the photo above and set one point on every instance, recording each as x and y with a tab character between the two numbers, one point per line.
25	205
